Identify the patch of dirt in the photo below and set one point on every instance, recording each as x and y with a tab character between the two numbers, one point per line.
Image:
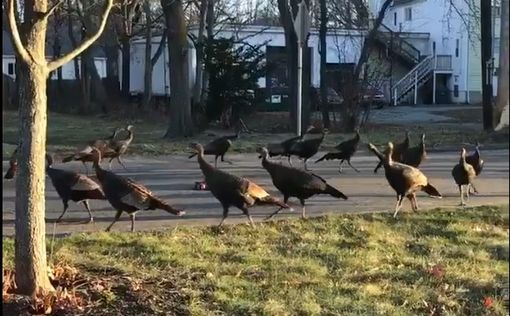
99	293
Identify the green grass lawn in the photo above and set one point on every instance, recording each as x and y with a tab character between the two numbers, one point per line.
67	132
436	262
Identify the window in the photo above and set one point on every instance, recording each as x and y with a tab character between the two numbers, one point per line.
457	44
395	18
433	48
496	11
10	68
409	14
456	90
495	45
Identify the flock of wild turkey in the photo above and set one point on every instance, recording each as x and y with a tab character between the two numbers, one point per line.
400	163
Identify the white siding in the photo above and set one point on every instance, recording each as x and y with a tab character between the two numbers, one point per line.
67	69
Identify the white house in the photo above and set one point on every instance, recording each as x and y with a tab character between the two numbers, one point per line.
431	51
9	60
343	48
453	35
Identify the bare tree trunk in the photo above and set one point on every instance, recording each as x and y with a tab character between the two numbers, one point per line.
210	35
126	63
180	123
323	54
111	49
147	76
291	50
351	103
30	249
197	88
149	70
70	33
502	97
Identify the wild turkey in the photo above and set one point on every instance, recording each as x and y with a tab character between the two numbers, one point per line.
344	151
414	156
73	186
283	148
475	160
13	164
231	190
219	148
404	179
305	149
463	173
293	182
119	147
85	154
125	195
397	152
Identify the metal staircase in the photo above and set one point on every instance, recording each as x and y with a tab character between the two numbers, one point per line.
398	46
419	75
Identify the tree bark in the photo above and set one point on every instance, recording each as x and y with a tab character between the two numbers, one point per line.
126	63
210	35
351	102
147	76
323	54
197	88
486	56
502	97
70	33
180	122
30	249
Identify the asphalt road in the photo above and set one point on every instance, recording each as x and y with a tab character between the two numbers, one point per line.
172	178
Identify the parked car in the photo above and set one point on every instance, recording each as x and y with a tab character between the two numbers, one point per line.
375	97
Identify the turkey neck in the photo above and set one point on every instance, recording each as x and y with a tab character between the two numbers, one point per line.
268	165
206	168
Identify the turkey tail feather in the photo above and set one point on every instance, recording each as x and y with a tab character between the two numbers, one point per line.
10	173
68	158
430	190
159	204
334	192
330	156
273	201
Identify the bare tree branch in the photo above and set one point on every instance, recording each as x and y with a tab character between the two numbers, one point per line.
83	46
52	9
20	49
159	50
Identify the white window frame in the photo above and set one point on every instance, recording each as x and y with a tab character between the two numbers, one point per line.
408	14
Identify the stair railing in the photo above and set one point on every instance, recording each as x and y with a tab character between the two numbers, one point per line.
412	77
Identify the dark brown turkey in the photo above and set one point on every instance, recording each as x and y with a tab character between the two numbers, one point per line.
414	156
119	147
463	173
85	154
343	152
231	190
404	179
125	195
13	164
475	160
398	150
294	182
308	146
72	186
218	148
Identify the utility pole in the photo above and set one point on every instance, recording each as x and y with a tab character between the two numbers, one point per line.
302	28
487	61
